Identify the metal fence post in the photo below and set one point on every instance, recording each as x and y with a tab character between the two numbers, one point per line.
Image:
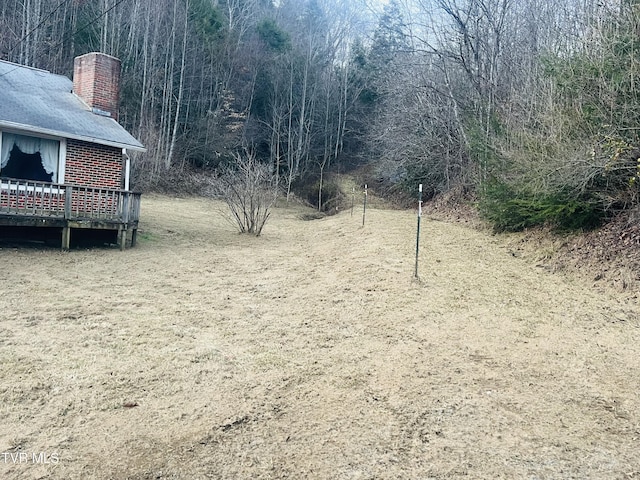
418	230
364	208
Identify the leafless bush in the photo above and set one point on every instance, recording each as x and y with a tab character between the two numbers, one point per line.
250	189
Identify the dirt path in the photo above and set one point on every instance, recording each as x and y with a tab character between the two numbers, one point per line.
311	353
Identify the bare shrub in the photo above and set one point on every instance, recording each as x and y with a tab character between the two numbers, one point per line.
250	189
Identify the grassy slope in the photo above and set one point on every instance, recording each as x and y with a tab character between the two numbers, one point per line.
312	353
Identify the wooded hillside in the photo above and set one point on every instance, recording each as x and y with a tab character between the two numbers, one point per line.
530	106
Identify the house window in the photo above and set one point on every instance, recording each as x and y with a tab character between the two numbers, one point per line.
29	158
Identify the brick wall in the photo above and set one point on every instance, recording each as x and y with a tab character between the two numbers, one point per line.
93	165
96	79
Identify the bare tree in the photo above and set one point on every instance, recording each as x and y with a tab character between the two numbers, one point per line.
250	190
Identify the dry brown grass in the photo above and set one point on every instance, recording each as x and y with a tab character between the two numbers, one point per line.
311	353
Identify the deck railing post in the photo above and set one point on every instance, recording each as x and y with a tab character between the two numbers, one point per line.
66	230
135	210
67	202
7	195
125	208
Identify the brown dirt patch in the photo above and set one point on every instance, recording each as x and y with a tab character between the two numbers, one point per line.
310	352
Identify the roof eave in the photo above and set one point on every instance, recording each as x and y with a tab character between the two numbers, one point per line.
84	138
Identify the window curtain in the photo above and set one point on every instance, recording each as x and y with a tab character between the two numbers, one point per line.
5	153
49	150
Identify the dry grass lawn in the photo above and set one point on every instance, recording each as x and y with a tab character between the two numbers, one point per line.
311	353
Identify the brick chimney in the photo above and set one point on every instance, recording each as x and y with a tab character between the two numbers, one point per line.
96	80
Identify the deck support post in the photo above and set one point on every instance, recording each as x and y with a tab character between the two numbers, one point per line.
66	237
134	237
122	238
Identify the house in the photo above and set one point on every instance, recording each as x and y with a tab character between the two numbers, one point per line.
64	163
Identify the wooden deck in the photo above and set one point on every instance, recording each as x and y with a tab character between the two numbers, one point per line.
25	203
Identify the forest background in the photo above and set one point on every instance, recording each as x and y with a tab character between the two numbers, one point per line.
530	108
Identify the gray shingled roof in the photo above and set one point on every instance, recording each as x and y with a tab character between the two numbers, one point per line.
37	101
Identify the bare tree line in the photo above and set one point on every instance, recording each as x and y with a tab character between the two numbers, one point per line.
530	105
532	97
203	79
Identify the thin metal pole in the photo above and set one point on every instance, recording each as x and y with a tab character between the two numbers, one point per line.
364	209
353	199
418	231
